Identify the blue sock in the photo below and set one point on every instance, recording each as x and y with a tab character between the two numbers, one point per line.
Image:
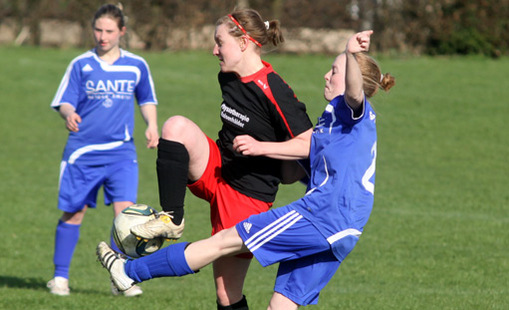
113	245
66	239
167	262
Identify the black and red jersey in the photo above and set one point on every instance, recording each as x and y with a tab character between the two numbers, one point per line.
263	106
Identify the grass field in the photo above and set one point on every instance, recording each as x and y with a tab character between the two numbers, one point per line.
438	236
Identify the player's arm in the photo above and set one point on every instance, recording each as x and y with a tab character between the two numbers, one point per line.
149	114
354	94
295	148
72	119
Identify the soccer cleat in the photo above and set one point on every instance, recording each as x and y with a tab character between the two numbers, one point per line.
135	290
59	286
162	226
114	263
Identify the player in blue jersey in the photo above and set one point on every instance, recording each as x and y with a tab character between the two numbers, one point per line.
96	98
311	236
256	102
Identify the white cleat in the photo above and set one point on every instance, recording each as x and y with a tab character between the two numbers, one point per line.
114	262
162	226
59	286
135	290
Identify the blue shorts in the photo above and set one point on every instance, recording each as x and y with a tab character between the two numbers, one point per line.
79	184
282	235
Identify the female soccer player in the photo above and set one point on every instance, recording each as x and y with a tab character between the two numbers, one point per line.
257	103
311	236
96	99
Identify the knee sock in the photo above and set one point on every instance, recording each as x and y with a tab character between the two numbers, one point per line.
172	170
167	262
239	305
66	239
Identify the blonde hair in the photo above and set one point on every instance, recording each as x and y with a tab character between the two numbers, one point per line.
252	22
372	76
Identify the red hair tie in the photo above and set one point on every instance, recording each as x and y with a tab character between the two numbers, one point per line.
243	30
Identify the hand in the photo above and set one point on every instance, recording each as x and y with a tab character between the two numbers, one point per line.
247	145
152	137
359	42
72	121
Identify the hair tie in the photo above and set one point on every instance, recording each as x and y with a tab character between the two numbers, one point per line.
381	77
243	30
267	25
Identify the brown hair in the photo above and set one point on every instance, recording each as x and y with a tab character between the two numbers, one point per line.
254	25
112	11
372	75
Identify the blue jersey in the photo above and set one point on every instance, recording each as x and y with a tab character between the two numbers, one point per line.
342	158
103	95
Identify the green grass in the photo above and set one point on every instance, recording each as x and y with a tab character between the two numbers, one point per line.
437	238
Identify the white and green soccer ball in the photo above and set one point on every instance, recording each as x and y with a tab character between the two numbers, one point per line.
127	242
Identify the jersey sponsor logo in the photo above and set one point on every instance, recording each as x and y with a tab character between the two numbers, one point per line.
233	116
87	68
117	89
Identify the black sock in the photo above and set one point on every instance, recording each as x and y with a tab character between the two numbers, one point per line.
239	305
172	169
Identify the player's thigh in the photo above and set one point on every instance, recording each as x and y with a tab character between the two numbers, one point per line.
281	234
301	280
183	130
121	182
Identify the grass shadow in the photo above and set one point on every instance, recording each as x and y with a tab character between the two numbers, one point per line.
39	284
17	282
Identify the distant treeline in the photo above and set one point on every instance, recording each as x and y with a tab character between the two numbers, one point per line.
412	26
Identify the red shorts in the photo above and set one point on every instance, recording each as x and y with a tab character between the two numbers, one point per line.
227	205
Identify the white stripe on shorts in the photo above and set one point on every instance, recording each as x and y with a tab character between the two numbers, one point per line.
344	233
272	230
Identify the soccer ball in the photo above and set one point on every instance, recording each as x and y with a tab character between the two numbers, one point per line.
127	242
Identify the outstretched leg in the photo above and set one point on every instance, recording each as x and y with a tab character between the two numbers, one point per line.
174	260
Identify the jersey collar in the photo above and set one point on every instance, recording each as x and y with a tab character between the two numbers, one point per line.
267	68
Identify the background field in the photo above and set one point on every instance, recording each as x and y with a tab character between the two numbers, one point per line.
437	238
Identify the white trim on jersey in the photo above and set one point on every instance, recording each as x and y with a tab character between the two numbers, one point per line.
93	147
117	68
324	181
330	108
344	233
151	81
272	230
98	147
65	80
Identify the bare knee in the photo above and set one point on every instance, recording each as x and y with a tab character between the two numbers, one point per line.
278	301
174	128
75	218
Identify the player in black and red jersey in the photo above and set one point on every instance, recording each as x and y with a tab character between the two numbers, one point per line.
261	116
